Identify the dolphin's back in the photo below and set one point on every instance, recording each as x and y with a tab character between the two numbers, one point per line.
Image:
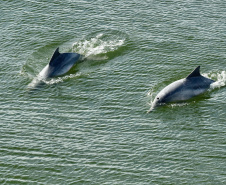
185	89
190	87
200	82
63	63
60	63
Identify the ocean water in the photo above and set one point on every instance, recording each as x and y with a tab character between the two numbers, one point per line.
91	126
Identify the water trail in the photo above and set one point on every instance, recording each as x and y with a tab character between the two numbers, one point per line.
101	44
220	79
61	79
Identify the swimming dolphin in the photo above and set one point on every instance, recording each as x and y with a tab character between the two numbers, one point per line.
59	64
183	89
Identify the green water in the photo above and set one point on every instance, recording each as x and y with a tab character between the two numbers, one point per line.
91	125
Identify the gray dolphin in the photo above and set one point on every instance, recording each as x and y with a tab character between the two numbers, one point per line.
59	64
183	89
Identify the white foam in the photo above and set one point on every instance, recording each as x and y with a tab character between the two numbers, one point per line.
61	79
219	77
97	45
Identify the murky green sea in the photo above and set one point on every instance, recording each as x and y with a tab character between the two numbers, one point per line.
91	126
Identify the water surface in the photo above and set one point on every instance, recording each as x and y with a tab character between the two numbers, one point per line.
91	125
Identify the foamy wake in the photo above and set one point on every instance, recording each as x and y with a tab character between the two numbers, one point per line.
61	79
220	79
97	45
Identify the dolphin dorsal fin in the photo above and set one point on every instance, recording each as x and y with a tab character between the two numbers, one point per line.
195	73
55	55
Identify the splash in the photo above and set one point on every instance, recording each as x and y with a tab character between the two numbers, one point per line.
61	79
100	44
219	77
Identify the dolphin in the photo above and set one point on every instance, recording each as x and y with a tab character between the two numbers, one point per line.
59	64
183	89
